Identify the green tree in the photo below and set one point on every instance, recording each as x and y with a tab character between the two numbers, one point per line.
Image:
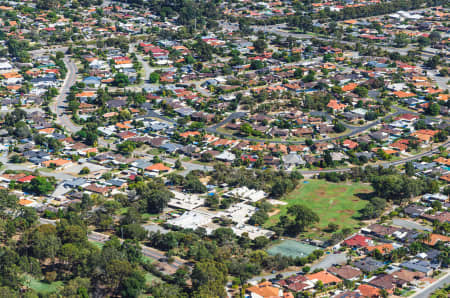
45	242
133	285
154	77
434	109
121	80
209	279
246	129
194	185
401	40
409	169
157	199
39	186
84	171
303	216
133	231
260	45
339	127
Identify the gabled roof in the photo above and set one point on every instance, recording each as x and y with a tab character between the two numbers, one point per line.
264	289
160	167
369	291
324	276
358	241
345	272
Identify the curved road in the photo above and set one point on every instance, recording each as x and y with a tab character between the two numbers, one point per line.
385	164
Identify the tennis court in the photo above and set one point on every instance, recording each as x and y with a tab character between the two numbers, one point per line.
291	248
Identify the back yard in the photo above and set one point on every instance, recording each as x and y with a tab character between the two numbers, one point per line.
334	203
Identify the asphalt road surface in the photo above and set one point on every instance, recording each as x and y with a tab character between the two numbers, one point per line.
442	282
410	225
60	104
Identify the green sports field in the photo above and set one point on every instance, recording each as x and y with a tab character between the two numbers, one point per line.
334	203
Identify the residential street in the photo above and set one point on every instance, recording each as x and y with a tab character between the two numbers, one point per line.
60	104
443	281
410	225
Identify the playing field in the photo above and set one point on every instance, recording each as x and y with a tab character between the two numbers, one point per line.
334	202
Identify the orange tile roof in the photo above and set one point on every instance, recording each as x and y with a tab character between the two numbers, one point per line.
402	94
224	142
442	160
158	167
419	78
429	132
296	148
349	87
333	104
90	150
56	162
47	130
86	94
110	114
433	90
189	133
443	97
25	202
13	87
434	238
445	177
389	151
265	290
422	137
350	144
383	248
257	147
10	75
324	276
125	61
369	291
122	126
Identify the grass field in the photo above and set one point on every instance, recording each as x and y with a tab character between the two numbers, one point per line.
42	288
334	203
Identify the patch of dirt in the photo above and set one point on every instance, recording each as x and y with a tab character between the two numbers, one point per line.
274	212
341	189
204	180
321	193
